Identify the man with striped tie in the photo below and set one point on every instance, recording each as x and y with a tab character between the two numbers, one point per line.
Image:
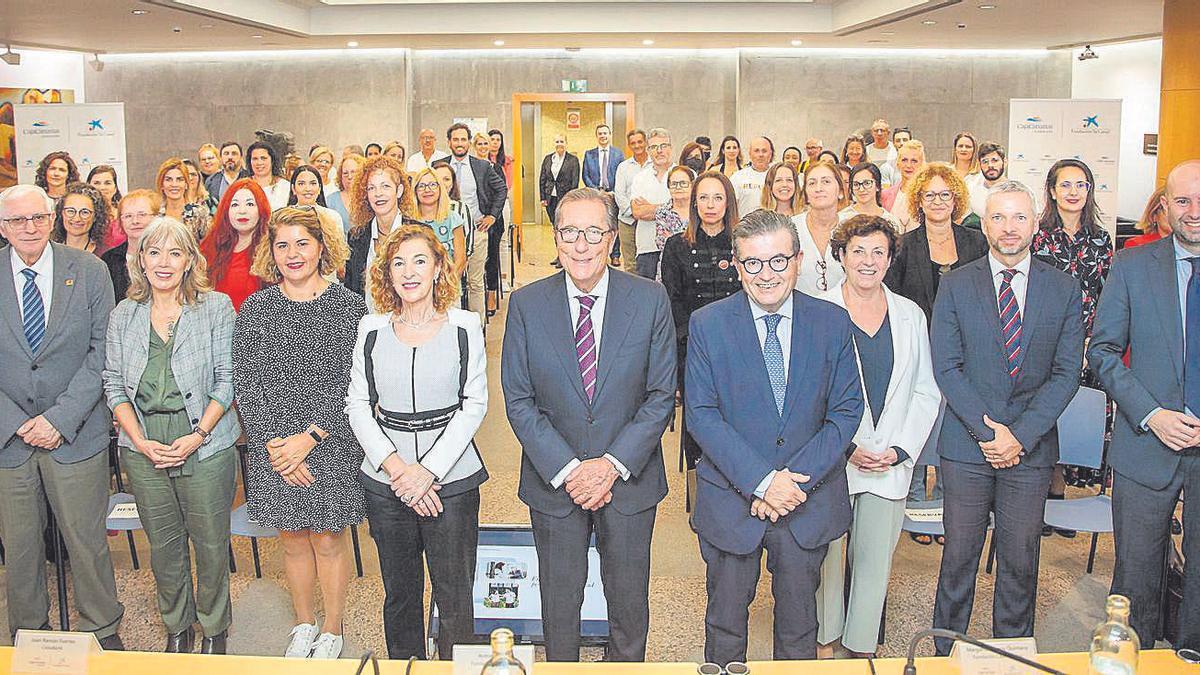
588	373
1007	342
54	424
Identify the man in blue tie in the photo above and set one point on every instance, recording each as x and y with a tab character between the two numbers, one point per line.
773	399
1151	307
1007	342
54	423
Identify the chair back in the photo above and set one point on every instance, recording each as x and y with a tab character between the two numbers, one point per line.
1081	429
929	455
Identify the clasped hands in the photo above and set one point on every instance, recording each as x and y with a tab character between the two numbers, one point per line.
288	455
872	462
590	484
39	433
414	485
1004	450
1176	430
165	456
782	496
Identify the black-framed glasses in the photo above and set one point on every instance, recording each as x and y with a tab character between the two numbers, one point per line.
777	263
38	219
426	186
591	235
72	212
822	282
868	184
679	185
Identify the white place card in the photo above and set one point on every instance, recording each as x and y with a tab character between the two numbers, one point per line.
37	651
974	660
470	659
933	515
128	510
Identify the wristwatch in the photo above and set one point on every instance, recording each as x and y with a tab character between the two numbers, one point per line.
201	432
315	436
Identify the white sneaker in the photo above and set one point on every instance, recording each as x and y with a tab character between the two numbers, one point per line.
303	637
327	646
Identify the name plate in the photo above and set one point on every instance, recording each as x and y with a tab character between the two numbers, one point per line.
37	651
128	510
933	515
470	659
974	660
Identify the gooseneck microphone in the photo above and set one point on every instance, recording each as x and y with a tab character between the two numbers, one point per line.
910	667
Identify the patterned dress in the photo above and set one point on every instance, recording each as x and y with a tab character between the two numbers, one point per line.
1086	256
292	369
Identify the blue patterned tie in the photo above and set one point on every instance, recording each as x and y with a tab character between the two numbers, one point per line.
33	314
773	355
1191	351
1010	322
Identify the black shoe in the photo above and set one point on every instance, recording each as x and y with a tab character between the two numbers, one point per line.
182	642
1047	530
1066	534
214	644
112	643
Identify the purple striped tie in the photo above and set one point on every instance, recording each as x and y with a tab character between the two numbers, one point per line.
585	346
1010	322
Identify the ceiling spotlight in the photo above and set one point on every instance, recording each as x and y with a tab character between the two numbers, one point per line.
929	22
139	12
888	33
206	26
498	43
573	49
1087	54
797	43
987	7
10	57
96	64
256	36
352	43
647	42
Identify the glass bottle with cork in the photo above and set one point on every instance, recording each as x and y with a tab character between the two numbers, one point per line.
502	662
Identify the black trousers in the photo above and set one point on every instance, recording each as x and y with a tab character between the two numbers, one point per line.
449	544
733	579
491	268
624	545
1017	496
551	208
1141	529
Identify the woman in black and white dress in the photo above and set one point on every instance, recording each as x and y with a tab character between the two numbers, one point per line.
417	395
291	353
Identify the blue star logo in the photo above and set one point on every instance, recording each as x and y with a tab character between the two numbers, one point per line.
1093	121
95	125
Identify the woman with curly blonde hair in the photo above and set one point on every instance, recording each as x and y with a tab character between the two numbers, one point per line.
292	352
424	358
380	201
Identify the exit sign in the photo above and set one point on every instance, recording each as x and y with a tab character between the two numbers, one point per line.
574	86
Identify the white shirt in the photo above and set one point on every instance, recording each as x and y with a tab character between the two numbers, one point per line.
396	222
602	158
556	162
881	156
900	211
417	161
810	273
467	189
44	281
978	192
626	172
889	174
1020	280
600	293
653	189
747	185
278	194
784	332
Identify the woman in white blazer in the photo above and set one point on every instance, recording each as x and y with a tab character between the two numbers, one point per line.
417	395
892	345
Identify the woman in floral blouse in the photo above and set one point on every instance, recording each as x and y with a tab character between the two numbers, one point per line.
1071	238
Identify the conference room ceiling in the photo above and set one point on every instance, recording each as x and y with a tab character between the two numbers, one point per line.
131	26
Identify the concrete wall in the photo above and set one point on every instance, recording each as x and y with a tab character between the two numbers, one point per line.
790	96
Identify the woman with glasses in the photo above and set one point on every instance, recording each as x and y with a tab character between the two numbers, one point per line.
473	282
433	211
866	186
697	265
824	196
1071	237
81	218
197	193
781	190
938	198
672	217
136	210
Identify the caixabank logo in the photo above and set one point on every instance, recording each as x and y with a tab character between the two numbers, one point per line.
1091	124
1036	124
94	128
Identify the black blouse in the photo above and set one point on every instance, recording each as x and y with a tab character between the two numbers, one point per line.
912	273
697	274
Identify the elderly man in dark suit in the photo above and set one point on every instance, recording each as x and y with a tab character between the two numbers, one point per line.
1007	345
1151	306
588	373
769	349
54	424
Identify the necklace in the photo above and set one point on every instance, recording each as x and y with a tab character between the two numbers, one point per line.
397	318
171	321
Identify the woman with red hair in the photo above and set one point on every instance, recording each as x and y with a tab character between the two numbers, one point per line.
240	223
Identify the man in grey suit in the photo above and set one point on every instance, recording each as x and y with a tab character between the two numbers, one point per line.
1151	307
1007	342
54	424
588	373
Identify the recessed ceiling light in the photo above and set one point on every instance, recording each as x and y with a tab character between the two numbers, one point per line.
352	43
206	26
987	7
256	36
139	12
498	43
888	33
797	43
647	42
929	22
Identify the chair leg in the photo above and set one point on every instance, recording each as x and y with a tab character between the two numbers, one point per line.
232	559
1092	553
991	558
60	571
132	549
257	562
357	551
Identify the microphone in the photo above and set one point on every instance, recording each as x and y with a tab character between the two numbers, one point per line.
910	667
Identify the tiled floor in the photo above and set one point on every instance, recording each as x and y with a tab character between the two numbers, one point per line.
1070	602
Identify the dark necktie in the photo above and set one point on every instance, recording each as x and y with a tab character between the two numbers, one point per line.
1010	322
773	356
33	314
585	346
603	169
1191	329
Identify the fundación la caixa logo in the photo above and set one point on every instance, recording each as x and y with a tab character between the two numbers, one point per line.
1091	124
93	128
1036	124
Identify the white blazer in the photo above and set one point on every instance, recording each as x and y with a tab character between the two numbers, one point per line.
910	406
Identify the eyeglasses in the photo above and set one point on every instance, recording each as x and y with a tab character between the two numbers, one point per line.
591	235
423	187
658	146
679	185
37	219
72	212
943	196
1082	186
868	184
822	282
131	217
777	263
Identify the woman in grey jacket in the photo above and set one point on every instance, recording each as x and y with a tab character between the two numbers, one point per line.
168	378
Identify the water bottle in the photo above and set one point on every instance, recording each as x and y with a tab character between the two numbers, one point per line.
502	662
1115	646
